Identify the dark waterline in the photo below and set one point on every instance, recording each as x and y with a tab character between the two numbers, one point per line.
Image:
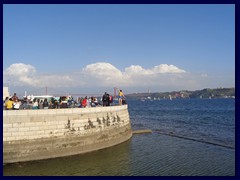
181	148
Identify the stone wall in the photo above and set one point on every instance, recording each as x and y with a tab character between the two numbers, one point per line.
40	134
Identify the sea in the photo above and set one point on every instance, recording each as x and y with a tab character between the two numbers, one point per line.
190	137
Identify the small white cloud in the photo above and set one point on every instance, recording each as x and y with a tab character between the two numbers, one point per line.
204	75
20	69
102	70
20	74
102	73
164	68
135	69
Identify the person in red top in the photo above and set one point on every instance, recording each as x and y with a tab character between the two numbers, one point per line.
15	98
84	102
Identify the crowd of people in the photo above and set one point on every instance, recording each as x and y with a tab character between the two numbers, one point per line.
11	103
14	103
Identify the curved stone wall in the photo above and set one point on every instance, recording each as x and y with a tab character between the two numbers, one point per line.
41	134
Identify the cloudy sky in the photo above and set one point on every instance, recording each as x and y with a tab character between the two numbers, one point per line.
94	48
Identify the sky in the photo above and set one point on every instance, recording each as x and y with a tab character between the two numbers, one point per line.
84	48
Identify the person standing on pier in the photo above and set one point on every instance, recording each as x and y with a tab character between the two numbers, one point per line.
45	104
105	99
15	98
120	97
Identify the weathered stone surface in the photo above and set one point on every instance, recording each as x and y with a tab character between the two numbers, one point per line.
62	132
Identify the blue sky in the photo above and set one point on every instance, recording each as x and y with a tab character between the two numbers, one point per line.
93	48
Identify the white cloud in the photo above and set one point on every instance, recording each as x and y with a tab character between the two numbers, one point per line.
20	69
135	69
103	71
20	74
204	75
105	75
164	68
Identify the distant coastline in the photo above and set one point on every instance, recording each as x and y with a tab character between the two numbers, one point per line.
204	94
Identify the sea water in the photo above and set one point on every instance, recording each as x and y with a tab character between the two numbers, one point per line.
190	137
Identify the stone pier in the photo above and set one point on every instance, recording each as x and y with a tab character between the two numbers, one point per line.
41	134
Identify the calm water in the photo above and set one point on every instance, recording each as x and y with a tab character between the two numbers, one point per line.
191	137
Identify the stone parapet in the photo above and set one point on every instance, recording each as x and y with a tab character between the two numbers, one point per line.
47	133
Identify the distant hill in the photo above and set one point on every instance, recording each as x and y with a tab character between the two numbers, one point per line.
204	93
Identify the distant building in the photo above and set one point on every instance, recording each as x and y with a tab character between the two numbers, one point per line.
5	92
149	91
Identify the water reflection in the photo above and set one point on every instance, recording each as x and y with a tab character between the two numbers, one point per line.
145	154
109	161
